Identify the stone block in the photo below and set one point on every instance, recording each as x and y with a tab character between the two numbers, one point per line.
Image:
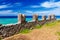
49	17
44	17
53	17
21	18
35	17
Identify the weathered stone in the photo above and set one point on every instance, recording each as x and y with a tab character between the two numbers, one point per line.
35	17
44	17
21	18
49	17
53	16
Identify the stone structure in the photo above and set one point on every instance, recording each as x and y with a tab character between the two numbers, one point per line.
35	17
21	18
9	30
49	17
44	17
0	24
53	16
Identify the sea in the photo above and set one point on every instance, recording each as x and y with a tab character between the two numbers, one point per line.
14	19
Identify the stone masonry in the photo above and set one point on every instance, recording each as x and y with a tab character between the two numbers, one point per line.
21	18
35	17
44	17
9	30
49	17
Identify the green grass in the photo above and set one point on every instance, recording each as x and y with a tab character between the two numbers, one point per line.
58	20
38	26
51	23
25	31
58	33
0	38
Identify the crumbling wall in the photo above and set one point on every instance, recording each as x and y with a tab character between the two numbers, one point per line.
6	31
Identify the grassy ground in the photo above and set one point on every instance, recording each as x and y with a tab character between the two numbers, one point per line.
49	31
25	31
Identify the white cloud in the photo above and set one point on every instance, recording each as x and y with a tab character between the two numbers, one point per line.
9	5
3	6
50	4
27	11
8	13
55	11
37	12
47	4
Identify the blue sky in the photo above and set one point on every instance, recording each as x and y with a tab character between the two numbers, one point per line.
29	7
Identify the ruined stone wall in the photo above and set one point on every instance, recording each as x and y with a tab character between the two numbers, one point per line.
9	30
6	31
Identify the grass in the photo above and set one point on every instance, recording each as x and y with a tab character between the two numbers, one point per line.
25	31
0	38
50	24
58	33
58	20
38	26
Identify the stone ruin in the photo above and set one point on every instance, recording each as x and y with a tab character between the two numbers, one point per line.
49	17
21	18
35	18
44	17
9	30
53	17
